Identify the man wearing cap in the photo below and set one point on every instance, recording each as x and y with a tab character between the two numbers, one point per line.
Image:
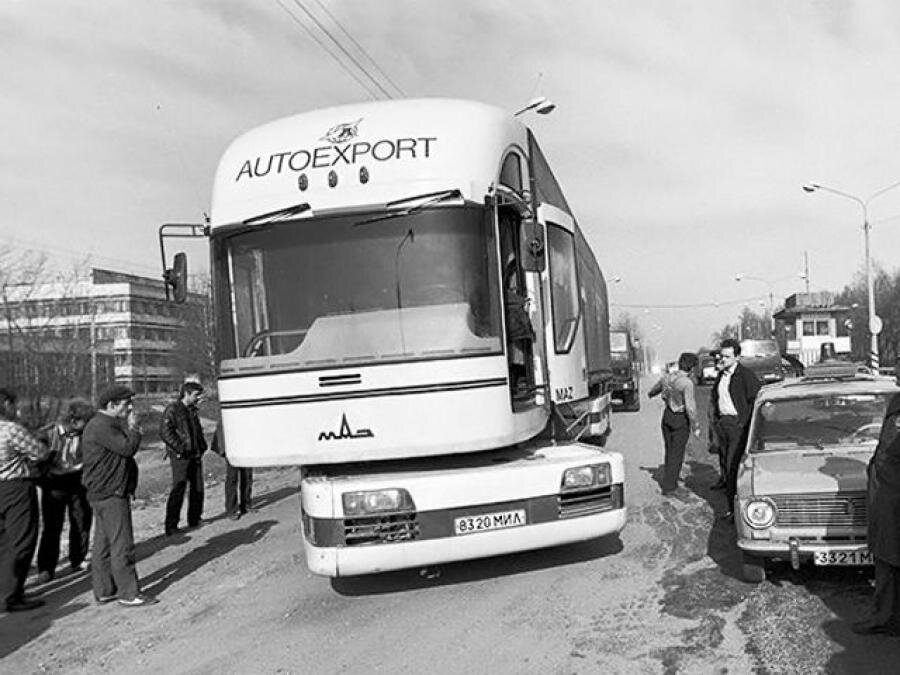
19	452
110	441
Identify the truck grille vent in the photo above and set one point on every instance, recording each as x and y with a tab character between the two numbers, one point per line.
589	502
380	529
845	509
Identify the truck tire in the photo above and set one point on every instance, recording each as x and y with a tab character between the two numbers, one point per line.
753	568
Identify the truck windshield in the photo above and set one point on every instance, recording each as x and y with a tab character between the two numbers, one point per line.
618	344
312	292
816	422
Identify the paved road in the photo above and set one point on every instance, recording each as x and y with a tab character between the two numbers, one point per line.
661	598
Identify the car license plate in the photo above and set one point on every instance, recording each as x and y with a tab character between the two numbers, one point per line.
489	521
863	557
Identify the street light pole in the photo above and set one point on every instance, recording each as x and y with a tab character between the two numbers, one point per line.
874	319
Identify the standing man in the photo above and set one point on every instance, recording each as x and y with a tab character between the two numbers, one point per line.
62	491
732	398
180	430
19	452
238	481
884	535
679	419
109	443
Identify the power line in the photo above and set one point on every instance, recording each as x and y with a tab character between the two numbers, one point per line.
343	49
360	48
696	305
315	37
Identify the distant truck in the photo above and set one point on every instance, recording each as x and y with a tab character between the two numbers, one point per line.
626	380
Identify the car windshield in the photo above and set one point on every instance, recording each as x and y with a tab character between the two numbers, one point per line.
817	422
358	289
759	348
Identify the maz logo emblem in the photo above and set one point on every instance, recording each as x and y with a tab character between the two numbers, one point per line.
345	432
341	133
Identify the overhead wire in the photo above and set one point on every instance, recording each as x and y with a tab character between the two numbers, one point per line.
695	305
343	49
366	54
318	41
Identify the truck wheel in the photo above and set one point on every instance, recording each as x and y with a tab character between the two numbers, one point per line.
753	568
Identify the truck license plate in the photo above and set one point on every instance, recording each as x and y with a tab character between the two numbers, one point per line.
489	521
863	557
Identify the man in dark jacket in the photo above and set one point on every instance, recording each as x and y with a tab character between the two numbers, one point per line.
884	533
732	398
109	443
180	430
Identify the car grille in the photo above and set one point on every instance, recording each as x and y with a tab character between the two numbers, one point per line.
846	509
588	502
380	529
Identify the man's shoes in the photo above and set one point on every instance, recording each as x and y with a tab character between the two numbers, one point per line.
194	526
235	516
44	577
171	531
103	599
138	601
23	604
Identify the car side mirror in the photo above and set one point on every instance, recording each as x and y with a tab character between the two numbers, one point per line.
176	278
531	246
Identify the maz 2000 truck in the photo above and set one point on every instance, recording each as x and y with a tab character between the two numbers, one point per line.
368	264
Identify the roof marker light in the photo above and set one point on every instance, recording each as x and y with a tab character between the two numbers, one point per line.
332	178
363	175
302	182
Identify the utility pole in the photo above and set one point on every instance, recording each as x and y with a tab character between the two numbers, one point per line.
806	270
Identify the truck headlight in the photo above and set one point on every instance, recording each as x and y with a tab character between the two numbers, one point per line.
759	513
367	502
581	477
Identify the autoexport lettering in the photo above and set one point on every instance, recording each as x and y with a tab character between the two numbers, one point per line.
326	156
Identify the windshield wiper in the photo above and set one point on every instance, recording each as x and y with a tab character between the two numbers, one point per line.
280	214
798	440
429	198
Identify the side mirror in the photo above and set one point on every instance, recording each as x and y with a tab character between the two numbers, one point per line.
176	277
532	244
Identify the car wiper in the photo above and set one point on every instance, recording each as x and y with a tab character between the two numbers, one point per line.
430	199
280	214
799	440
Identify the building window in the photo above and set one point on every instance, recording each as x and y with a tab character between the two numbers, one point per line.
823	328
809	328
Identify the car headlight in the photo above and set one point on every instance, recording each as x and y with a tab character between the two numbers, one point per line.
759	513
366	502
581	477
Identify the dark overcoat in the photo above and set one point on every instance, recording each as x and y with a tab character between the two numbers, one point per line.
884	489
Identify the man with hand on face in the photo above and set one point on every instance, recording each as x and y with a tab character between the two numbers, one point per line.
109	443
732	398
180	430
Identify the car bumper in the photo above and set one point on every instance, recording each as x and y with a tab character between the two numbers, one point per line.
797	550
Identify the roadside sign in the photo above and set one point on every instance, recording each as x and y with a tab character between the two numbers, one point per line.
875	324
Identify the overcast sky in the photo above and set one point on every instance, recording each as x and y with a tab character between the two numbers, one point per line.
682	135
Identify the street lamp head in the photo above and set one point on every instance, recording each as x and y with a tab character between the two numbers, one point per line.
810	187
541	105
738	276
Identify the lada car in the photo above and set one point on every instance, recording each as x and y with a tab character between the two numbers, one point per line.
801	491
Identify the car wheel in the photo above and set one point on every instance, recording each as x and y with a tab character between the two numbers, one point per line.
753	568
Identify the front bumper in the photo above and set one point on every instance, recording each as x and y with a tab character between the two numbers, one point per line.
349	561
798	550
